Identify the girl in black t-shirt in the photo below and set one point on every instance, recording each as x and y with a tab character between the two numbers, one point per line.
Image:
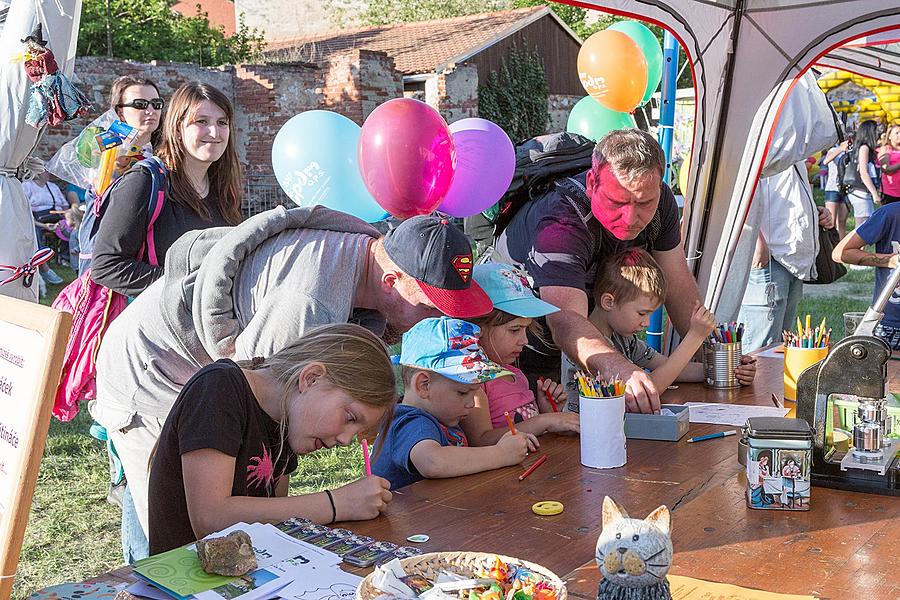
232	438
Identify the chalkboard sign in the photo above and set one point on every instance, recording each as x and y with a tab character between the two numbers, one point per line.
32	344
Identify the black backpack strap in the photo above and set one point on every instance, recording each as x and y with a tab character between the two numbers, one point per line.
575	194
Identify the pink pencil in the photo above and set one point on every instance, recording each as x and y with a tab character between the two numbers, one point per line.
368	462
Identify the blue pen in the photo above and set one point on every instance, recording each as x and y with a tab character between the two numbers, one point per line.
712	436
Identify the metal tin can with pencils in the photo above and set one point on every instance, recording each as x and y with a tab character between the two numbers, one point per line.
720	359
778	463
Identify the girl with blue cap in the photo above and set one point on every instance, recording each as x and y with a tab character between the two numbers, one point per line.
504	335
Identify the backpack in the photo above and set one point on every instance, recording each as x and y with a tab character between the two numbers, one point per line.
94	306
539	162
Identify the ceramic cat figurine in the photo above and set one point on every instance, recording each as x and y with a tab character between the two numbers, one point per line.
634	555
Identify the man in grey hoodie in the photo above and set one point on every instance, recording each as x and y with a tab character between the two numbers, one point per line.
253	289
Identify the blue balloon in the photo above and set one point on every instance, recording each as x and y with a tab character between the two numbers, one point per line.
314	157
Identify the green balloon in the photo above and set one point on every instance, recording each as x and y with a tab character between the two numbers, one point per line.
649	45
593	120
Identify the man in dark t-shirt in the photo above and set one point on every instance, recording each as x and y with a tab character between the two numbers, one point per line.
563	236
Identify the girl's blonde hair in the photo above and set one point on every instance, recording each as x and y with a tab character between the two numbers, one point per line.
224	174
355	361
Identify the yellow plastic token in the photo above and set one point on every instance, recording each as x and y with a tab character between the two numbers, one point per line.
547	508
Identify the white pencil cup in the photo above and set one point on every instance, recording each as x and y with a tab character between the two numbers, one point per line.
602	432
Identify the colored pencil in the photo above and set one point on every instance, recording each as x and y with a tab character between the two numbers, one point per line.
776	401
727	333
366	459
509	421
534	466
548	396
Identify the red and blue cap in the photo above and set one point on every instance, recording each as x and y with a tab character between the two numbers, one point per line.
438	255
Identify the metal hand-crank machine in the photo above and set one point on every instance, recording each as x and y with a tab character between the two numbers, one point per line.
855	368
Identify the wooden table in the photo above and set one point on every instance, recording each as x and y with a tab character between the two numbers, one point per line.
847	546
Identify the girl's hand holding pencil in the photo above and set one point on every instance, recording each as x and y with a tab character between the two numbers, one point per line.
553	392
362	499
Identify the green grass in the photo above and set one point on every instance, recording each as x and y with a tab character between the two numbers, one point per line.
832	309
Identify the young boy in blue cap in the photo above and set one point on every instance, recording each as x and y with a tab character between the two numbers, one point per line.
442	367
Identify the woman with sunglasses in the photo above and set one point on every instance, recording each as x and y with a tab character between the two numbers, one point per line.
203	189
134	101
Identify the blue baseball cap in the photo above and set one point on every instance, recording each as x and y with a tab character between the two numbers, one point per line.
449	347
509	290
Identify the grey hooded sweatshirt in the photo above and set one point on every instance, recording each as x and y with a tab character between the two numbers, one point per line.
235	292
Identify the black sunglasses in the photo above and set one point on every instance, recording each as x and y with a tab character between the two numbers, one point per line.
142	104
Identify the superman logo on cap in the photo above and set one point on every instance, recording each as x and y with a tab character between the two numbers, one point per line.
463	265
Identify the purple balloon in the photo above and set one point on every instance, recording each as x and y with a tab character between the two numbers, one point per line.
485	164
406	157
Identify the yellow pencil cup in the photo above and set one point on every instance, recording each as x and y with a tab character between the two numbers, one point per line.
797	360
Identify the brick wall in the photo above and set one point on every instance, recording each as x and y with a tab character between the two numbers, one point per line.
559	106
378	80
454	92
265	97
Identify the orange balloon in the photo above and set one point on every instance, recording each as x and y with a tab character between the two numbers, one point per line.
612	69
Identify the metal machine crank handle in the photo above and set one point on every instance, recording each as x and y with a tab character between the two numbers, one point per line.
876	311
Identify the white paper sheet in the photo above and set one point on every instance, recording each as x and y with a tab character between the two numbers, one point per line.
730	414
323	584
602	432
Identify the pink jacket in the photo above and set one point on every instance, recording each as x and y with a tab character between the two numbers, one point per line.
93	308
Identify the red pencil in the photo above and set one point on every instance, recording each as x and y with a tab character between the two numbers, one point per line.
548	396
534	466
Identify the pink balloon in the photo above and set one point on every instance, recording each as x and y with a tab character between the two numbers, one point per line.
406	157
485	164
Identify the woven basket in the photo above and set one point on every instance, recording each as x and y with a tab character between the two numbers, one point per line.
462	563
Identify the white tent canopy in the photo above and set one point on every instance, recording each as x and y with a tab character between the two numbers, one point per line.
746	56
60	20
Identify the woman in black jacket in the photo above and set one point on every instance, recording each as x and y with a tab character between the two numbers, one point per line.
203	189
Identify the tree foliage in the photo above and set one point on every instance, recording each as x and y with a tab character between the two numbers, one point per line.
515	98
146	30
345	13
582	21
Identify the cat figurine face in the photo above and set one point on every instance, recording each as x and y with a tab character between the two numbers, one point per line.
634	553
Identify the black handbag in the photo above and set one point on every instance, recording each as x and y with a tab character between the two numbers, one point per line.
827	270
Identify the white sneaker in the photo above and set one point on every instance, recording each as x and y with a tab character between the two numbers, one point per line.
51	277
42	286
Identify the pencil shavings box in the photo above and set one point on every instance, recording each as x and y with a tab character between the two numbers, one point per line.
666	428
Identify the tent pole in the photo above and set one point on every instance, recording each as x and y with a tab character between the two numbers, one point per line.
713	161
665	135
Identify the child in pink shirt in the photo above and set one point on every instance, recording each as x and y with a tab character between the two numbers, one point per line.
503	337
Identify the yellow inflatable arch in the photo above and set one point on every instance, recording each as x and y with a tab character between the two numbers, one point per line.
885	107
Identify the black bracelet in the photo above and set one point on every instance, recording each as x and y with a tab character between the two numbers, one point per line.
333	509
